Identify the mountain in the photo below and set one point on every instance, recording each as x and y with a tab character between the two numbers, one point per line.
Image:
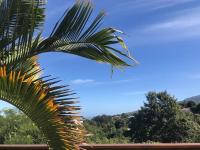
195	99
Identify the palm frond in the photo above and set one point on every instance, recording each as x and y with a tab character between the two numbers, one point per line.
46	104
30	67
72	34
18	21
20	54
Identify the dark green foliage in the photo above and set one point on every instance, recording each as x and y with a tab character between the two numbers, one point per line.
107	129
181	130
102	120
162	120
190	104
17	128
196	109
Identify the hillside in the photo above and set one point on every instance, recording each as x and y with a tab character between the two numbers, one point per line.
195	99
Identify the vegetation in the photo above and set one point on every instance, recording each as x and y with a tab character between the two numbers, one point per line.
161	119
195	99
192	104
107	129
45	102
17	128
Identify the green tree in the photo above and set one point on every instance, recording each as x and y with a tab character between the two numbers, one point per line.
190	104
17	128
196	109
162	120
107	129
41	99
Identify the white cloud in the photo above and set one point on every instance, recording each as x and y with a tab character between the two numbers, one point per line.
116	82
99	83
82	81
169	3
135	93
143	6
178	26
185	21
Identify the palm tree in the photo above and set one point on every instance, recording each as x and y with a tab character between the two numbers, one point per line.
46	103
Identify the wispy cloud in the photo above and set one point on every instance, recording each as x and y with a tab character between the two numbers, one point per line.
99	83
178	26
158	4
182	22
116	82
82	81
135	93
147	5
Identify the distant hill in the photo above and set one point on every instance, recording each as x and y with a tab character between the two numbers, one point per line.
195	99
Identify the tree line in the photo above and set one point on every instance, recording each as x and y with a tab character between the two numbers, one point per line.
162	119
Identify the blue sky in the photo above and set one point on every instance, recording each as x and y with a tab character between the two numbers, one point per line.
163	35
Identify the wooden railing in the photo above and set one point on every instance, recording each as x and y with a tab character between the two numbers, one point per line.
23	147
142	147
192	146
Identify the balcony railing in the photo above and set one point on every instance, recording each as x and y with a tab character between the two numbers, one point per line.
180	146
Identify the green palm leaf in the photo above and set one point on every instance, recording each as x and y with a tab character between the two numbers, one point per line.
72	34
46	104
18	21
